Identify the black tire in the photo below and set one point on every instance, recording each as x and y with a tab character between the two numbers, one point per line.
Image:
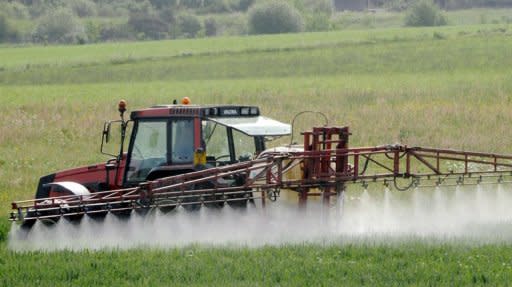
240	201
170	205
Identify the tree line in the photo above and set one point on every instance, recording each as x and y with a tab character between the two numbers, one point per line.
90	21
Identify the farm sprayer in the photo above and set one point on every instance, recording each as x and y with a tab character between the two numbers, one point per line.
185	156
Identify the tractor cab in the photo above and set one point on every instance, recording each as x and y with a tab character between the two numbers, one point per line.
168	140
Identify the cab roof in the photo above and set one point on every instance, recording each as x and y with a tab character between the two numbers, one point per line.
196	110
246	119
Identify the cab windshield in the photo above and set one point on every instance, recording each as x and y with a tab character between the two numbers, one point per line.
224	144
157	143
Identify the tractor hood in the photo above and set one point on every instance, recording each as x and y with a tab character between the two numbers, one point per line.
254	126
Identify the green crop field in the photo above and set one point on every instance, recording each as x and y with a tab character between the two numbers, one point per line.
443	87
293	265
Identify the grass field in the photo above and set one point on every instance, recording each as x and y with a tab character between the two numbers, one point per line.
447	87
294	265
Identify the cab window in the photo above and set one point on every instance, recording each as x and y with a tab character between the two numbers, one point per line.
245	148
215	139
182	141
149	149
159	143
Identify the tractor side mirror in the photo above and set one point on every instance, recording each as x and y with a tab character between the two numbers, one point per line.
111	138
106	132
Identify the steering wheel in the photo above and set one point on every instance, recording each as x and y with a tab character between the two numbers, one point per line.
222	156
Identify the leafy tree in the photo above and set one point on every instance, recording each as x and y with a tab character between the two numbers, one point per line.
191	3
59	26
397	5
14	10
243	5
8	32
143	6
42	7
4	28
148	25
164	3
424	13
317	13
210	27
189	25
83	8
168	15
216	6
274	17
317	22
115	32
315	6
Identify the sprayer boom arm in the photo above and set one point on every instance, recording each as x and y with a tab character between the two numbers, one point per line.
326	165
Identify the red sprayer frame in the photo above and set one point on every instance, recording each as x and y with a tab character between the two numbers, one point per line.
327	165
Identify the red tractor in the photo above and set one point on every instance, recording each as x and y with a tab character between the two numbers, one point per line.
165	140
169	140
